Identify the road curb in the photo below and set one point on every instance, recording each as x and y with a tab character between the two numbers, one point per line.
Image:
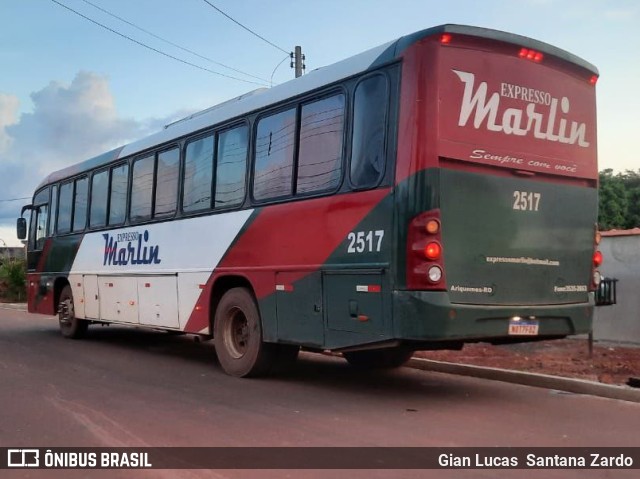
576	386
14	306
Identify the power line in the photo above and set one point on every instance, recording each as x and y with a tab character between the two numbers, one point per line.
154	49
246	28
170	42
277	66
16	199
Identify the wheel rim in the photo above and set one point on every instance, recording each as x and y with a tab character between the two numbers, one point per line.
236	333
66	313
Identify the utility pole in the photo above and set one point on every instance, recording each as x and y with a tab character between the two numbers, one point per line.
297	61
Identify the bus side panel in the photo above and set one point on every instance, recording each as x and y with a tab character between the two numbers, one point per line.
299	308
39	296
47	267
286	245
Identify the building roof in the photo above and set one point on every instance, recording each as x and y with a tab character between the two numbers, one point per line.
631	232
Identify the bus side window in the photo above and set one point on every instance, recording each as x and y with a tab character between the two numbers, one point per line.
368	140
41	228
80	204
99	191
198	175
39	217
167	182
142	189
64	208
231	167
118	194
53	210
320	152
273	169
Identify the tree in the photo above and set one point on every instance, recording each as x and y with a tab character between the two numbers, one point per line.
12	274
631	181
614	201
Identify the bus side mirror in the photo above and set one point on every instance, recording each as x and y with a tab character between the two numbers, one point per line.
21	227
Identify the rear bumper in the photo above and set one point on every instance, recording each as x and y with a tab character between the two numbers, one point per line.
430	316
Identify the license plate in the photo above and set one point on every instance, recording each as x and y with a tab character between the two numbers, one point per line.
523	328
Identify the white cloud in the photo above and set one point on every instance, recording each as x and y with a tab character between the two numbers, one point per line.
8	236
8	115
627	14
69	123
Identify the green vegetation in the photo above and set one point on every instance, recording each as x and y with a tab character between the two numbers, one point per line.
619	200
13	280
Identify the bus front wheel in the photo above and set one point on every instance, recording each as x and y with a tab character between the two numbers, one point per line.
237	335
378	358
70	326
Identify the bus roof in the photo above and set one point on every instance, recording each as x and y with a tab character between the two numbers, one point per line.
261	98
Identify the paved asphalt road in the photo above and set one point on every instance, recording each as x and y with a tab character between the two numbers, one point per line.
131	387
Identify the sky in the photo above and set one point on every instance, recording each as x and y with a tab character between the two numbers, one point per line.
70	89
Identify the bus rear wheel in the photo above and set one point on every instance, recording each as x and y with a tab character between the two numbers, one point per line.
237	335
378	358
70	326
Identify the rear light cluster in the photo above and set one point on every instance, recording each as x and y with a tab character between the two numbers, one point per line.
425	267
529	54
597	261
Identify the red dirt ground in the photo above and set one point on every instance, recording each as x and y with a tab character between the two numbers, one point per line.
611	363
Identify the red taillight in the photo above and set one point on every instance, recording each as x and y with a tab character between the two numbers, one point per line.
531	55
445	38
597	258
432	251
594	79
424	261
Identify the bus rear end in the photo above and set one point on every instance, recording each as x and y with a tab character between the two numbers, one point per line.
497	190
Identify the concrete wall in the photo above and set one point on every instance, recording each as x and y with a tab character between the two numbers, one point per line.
8	252
620	322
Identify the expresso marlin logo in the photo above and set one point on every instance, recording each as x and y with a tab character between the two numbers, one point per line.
136	250
515	121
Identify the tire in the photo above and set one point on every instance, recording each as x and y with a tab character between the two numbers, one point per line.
237	335
70	326
378	358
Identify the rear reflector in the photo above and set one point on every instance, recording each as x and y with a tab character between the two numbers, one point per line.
368	288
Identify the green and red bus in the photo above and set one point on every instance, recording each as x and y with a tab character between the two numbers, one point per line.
436	190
